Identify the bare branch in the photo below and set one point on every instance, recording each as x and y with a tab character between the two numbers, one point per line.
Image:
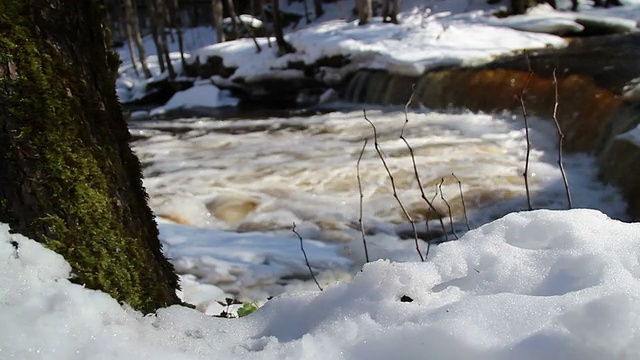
453	231
393	185
364	239
464	206
415	172
306	259
525	174
560	141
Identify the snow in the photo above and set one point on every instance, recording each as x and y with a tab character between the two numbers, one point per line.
198	96
246	263
529	285
543	18
420	43
542	284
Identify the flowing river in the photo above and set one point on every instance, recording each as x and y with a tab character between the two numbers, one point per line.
260	176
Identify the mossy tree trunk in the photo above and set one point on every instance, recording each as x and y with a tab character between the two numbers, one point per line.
68	177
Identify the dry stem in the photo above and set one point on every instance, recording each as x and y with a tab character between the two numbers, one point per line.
560	140
415	172
364	239
464	207
453	231
306	259
526	129
393	185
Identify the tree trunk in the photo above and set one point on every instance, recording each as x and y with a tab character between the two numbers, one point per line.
216	6
263	16
364	11
176	20
234	19
518	6
393	17
132	52
283	46
161	15
133	25
153	15
68	177
317	5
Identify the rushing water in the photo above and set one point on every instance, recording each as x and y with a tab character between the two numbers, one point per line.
265	174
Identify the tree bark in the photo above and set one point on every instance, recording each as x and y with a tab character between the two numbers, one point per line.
216	6
283	46
128	30
317	6
68	177
131	16
390	11
161	15
176	20
153	16
364	11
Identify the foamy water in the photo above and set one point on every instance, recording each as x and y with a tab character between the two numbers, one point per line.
265	174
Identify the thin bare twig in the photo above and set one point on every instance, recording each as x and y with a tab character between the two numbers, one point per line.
306	259
453	231
464	206
393	185
364	239
434	195
560	141
525	174
415	172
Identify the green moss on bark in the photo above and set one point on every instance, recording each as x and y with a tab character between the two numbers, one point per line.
70	179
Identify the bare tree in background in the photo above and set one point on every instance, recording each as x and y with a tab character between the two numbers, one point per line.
317	6
161	16
176	22
390	15
365	11
283	46
216	6
133	28
155	33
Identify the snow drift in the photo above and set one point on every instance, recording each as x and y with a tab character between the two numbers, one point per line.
543	284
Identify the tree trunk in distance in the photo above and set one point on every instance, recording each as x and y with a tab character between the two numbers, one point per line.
161	16
364	11
216	6
132	52
68	177
263	15
153	15
132	18
317	6
283	46
177	23
394	12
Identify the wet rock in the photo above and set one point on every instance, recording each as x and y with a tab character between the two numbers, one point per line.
620	166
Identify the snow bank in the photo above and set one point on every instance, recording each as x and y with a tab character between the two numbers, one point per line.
544	19
198	96
543	284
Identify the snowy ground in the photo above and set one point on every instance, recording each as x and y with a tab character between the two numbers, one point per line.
543	284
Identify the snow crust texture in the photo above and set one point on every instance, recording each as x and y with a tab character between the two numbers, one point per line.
543	284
